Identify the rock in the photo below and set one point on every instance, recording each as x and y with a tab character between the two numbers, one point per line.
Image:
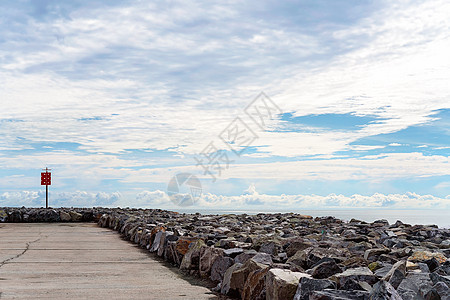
163	242
3	216
65	217
422	256
183	244
15	217
75	217
442	290
208	256
243	257
435	278
325	269
384	290
329	294
156	241
432	264
282	284
396	274
414	286
254	287
269	248
444	269
375	266
233	252
226	288
219	267
263	258
191	259
299	258
308	285
295	245
372	254
354	262
381	272
240	276
356	275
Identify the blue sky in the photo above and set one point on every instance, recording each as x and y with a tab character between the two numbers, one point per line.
119	96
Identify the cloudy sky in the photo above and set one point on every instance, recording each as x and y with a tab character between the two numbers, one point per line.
116	97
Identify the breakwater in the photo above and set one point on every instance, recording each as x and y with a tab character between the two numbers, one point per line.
281	256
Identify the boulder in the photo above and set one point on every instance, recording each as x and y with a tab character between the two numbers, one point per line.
435	278
295	245
384	290
263	258
75	217
414	286
372	254
243	257
208	256
65	217
191	259
422	256
156	241
226	282
282	284
183	244
3	216
396	274
233	252
325	269
254	287
329	294
355	275
219	267
307	285
240	276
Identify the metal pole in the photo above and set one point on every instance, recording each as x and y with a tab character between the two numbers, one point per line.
46	196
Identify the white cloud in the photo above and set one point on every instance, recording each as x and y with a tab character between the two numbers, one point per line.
59	199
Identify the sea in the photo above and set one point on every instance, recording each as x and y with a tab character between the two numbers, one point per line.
441	217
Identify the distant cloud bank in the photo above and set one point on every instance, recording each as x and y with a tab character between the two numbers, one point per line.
250	200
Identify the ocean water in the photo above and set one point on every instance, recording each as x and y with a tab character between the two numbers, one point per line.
409	216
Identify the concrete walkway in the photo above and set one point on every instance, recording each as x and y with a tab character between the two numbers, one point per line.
83	261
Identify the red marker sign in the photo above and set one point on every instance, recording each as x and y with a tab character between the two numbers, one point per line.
46	178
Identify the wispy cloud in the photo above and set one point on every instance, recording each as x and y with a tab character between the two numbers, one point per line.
117	79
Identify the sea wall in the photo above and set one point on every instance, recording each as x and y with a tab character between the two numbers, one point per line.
282	256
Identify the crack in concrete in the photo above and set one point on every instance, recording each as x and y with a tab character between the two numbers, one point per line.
20	254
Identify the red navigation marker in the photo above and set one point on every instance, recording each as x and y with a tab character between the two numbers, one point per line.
46	179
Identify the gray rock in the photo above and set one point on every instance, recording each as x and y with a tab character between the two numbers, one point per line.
263	258
356	275
442	290
384	290
435	278
208	256
233	252
243	257
219	267
415	285
75	217
308	285
226	283
325	269
65	217
282	284
329	294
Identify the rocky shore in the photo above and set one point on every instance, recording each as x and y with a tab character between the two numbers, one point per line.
282	256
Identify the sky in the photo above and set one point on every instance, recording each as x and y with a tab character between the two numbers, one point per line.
270	104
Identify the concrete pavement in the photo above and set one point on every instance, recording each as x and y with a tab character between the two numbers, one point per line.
83	261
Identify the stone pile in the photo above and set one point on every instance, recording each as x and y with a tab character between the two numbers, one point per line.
39	215
292	256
